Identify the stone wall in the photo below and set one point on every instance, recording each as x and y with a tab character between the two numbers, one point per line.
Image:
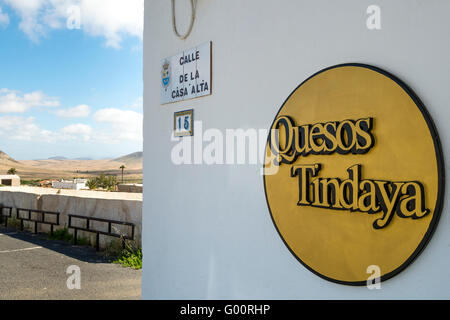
132	188
115	206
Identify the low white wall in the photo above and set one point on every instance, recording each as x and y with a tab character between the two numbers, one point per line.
121	207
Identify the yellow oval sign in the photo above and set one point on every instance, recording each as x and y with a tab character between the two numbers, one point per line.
354	174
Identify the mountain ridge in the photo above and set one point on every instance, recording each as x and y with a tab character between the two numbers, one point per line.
4	156
135	156
131	158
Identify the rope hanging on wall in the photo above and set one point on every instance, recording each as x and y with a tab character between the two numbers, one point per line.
174	20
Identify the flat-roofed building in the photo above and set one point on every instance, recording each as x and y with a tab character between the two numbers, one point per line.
10	180
76	184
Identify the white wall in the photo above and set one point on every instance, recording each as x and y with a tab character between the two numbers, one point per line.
207	232
71	185
107	205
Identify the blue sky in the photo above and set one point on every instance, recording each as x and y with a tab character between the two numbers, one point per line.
70	92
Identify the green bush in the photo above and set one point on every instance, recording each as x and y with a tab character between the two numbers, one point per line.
130	257
92	184
83	241
31	183
103	181
61	234
13	223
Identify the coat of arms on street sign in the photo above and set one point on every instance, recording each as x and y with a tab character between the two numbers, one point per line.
165	74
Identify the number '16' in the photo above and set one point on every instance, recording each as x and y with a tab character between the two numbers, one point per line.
186	123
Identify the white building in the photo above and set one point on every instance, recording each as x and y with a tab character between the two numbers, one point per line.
10	180
207	227
76	184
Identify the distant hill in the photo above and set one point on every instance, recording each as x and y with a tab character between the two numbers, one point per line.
5	158
64	158
130	159
67	169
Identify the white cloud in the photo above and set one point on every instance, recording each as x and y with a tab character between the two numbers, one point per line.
4	18
125	124
24	129
12	101
110	19
28	11
80	111
113	20
77	128
113	126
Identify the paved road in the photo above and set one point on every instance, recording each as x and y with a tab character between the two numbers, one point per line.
34	268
